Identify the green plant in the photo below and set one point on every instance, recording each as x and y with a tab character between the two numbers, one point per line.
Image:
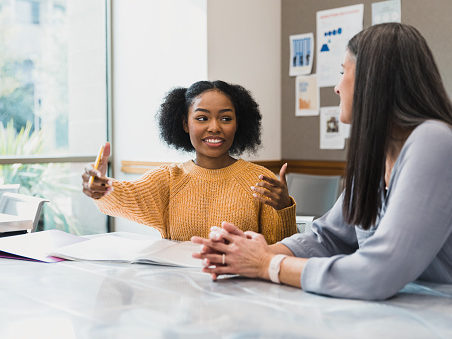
43	180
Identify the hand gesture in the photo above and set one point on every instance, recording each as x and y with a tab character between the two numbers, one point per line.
272	191
100	185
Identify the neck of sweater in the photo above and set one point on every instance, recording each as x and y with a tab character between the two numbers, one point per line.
214	174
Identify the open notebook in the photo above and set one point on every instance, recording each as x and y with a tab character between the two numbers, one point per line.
49	246
122	248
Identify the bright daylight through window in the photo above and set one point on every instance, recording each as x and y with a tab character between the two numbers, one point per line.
53	103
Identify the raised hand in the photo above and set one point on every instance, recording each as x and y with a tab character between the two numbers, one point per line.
273	192
100	185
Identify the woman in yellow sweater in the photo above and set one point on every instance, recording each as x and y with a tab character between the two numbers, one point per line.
217	120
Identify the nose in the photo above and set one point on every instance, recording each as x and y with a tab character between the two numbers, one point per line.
214	126
336	90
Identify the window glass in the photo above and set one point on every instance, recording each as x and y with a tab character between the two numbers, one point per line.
68	208
53	71
53	102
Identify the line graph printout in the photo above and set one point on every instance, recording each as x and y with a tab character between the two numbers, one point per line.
334	28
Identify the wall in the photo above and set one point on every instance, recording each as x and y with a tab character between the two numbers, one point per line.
300	136
243	39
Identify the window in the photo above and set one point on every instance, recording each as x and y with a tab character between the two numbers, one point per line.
53	103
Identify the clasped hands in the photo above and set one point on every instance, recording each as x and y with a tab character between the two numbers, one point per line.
229	250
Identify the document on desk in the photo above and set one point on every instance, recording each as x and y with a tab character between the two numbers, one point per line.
36	246
114	248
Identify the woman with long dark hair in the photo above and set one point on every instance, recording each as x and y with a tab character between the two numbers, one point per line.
393	223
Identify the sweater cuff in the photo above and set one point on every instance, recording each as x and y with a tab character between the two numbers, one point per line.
287	216
110	203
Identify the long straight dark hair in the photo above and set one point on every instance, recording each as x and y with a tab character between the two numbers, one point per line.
397	87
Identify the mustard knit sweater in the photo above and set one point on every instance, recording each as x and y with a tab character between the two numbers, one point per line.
182	200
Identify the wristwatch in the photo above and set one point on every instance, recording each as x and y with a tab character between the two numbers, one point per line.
275	266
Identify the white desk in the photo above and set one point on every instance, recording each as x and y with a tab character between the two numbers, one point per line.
10	223
90	300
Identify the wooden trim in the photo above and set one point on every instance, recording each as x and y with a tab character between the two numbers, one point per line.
272	165
139	167
316	167
294	166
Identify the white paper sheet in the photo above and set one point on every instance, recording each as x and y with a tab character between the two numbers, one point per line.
39	245
123	248
301	54
306	95
386	11
332	132
335	27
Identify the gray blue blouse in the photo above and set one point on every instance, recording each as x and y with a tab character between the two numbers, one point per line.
412	238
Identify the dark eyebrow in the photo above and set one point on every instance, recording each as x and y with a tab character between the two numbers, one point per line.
207	111
202	110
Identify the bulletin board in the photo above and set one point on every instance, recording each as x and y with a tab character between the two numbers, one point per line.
300	135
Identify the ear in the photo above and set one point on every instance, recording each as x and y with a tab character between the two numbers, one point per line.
185	125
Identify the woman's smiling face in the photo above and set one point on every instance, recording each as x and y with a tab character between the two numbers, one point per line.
211	124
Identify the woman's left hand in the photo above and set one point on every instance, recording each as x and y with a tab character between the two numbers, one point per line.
248	256
272	191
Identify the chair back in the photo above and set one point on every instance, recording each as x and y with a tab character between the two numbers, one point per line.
314	194
25	206
13	188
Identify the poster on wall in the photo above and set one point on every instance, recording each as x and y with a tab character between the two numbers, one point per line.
306	96
332	132
386	11
334	28
301	54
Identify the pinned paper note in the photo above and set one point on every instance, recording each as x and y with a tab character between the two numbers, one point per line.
332	132
335	27
301	54
386	11
306	96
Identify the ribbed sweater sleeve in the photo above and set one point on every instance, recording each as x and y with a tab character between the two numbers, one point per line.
144	201
274	225
183	200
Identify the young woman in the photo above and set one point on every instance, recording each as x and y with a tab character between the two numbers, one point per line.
216	120
393	223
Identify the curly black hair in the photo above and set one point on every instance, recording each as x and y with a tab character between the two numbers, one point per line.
174	111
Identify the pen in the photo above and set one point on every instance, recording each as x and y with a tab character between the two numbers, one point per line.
96	164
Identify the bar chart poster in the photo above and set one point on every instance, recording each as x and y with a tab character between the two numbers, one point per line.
335	27
301	54
306	96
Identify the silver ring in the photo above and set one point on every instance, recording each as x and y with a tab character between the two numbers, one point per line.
223	258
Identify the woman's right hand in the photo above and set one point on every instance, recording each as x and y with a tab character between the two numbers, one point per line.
100	185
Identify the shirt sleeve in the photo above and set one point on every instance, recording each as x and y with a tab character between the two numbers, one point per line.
329	236
416	224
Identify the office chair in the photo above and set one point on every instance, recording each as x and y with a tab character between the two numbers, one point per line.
25	206
314	194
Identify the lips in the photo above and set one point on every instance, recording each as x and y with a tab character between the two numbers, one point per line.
213	141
